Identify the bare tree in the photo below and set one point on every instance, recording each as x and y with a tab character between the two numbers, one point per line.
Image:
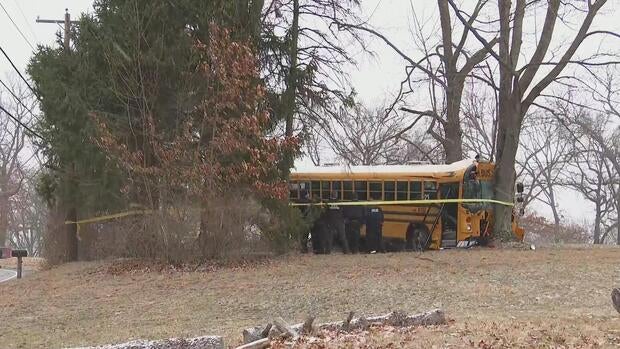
518	85
444	65
589	177
304	58
606	92
541	231
27	218
479	118
314	144
546	148
363	136
13	143
598	138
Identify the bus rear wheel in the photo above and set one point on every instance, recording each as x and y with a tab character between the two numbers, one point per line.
418	238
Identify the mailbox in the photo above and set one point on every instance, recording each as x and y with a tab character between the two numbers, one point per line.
19	253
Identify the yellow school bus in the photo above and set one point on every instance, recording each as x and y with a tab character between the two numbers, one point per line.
437	223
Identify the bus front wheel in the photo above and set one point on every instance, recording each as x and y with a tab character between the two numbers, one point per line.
418	237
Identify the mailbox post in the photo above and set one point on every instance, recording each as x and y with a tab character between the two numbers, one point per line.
19	254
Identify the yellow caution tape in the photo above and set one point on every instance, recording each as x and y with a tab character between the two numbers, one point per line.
111	216
404	202
106	218
343	203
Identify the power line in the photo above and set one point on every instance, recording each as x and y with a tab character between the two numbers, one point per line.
21	123
17	27
17	98
18	72
26	21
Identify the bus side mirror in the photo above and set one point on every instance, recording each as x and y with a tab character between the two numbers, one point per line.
520	198
520	187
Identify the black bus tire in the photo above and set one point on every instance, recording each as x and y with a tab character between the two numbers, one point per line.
421	231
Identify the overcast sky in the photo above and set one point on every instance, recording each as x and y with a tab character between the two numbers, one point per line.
375	78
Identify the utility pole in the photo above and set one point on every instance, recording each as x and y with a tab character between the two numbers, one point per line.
71	230
67	23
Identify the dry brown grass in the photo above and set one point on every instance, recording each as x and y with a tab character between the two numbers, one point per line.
29	263
547	297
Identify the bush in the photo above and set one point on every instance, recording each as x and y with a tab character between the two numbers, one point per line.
285	227
231	227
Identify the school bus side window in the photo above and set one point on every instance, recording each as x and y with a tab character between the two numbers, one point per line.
430	190
361	189
389	189
347	187
401	190
293	190
415	190
337	187
375	190
316	190
304	187
325	190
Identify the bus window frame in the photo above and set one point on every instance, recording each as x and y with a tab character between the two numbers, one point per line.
427	197
290	190
365	185
313	189
331	188
406	191
350	191
393	182
380	182
325	195
420	192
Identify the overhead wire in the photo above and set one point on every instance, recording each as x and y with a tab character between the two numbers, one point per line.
17	98
36	38
21	123
17	27
18	72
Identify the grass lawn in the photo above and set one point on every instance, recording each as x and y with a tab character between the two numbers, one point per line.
554	297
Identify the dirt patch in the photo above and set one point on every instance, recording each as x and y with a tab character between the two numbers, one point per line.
514	296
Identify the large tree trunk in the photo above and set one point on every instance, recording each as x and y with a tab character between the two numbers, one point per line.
4	220
555	212
4	208
288	100
454	134
453	144
72	237
509	126
505	179
597	225
69	206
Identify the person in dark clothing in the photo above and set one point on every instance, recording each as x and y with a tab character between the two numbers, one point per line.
306	214
314	214
374	229
354	218
335	225
320	234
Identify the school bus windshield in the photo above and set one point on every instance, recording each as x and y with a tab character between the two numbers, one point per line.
477	189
